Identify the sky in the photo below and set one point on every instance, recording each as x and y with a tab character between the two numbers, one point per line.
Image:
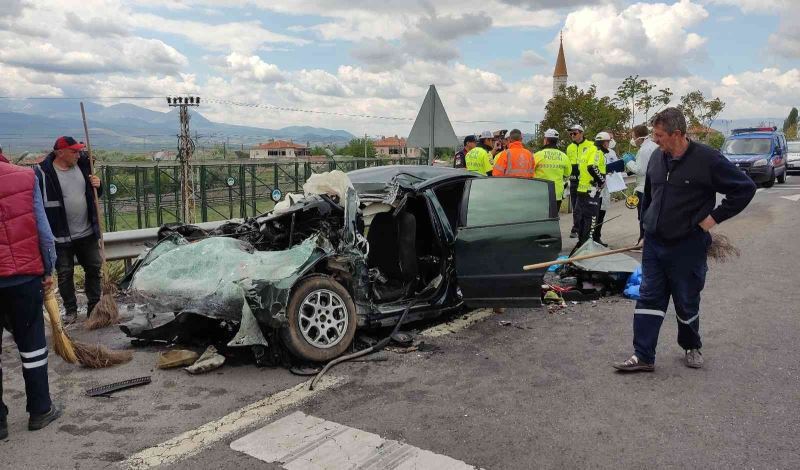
491	60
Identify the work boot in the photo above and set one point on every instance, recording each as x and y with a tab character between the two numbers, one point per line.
70	318
694	358
634	365
37	422
3	428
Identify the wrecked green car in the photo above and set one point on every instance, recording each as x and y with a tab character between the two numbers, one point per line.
303	277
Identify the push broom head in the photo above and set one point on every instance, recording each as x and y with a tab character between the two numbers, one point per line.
97	356
722	249
104	314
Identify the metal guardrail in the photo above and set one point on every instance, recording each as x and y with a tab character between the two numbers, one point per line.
128	244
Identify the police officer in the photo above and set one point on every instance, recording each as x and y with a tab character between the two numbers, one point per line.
552	164
679	207
470	142
481	158
591	179
516	160
27	259
577	148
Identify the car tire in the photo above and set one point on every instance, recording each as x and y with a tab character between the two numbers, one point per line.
771	180
782	177
321	319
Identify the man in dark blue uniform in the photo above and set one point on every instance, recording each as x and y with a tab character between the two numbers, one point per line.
678	209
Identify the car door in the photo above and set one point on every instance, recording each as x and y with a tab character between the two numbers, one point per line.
506	223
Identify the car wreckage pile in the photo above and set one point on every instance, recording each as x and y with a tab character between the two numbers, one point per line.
371	248
292	283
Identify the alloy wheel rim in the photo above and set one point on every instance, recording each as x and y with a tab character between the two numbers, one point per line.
323	318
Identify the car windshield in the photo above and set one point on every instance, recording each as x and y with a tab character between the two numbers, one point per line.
755	146
794	147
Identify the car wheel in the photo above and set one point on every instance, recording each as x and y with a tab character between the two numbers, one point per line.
321	319
771	181
782	177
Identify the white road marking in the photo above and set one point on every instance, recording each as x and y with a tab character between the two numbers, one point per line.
193	442
302	442
794	198
461	323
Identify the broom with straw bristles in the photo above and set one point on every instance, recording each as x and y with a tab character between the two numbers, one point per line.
62	345
105	313
721	250
93	356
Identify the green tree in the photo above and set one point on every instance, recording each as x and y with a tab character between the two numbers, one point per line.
700	111
790	124
648	101
355	148
318	150
716	139
584	107
631	93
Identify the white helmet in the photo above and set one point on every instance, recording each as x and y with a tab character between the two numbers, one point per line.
603	136
486	135
551	134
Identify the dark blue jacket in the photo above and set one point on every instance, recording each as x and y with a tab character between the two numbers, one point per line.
679	194
54	199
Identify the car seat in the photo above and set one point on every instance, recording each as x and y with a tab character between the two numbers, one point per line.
393	251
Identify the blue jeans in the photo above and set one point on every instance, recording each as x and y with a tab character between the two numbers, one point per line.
21	314
677	270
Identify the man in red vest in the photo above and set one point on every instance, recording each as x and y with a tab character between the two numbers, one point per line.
27	257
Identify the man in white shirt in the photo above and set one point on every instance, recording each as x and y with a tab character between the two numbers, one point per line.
638	166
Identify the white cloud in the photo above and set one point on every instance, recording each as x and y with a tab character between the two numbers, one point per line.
644	39
768	92
253	68
531	58
246	36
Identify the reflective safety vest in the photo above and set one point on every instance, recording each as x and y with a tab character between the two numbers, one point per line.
516	162
575	150
479	160
592	157
553	165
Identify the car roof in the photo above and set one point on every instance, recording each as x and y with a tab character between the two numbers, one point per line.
376	178
753	135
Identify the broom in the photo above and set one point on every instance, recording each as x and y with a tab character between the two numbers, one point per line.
92	356
62	345
105	313
721	250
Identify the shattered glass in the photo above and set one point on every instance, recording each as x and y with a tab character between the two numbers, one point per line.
225	279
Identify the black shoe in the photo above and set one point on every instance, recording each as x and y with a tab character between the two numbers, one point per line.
573	234
3	428
37	422
634	365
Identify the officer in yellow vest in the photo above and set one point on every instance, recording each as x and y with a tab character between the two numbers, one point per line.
481	158
591	178
552	164
578	146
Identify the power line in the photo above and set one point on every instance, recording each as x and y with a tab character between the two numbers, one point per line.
81	97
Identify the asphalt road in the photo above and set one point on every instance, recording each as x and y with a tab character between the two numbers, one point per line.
536	393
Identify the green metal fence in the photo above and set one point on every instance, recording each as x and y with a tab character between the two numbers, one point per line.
147	195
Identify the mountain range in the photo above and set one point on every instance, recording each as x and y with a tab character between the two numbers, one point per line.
33	125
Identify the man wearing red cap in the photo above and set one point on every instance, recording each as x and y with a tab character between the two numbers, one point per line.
66	183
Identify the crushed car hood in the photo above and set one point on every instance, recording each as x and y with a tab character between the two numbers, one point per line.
225	279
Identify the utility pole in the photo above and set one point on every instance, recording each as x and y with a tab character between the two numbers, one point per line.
365	146
185	151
